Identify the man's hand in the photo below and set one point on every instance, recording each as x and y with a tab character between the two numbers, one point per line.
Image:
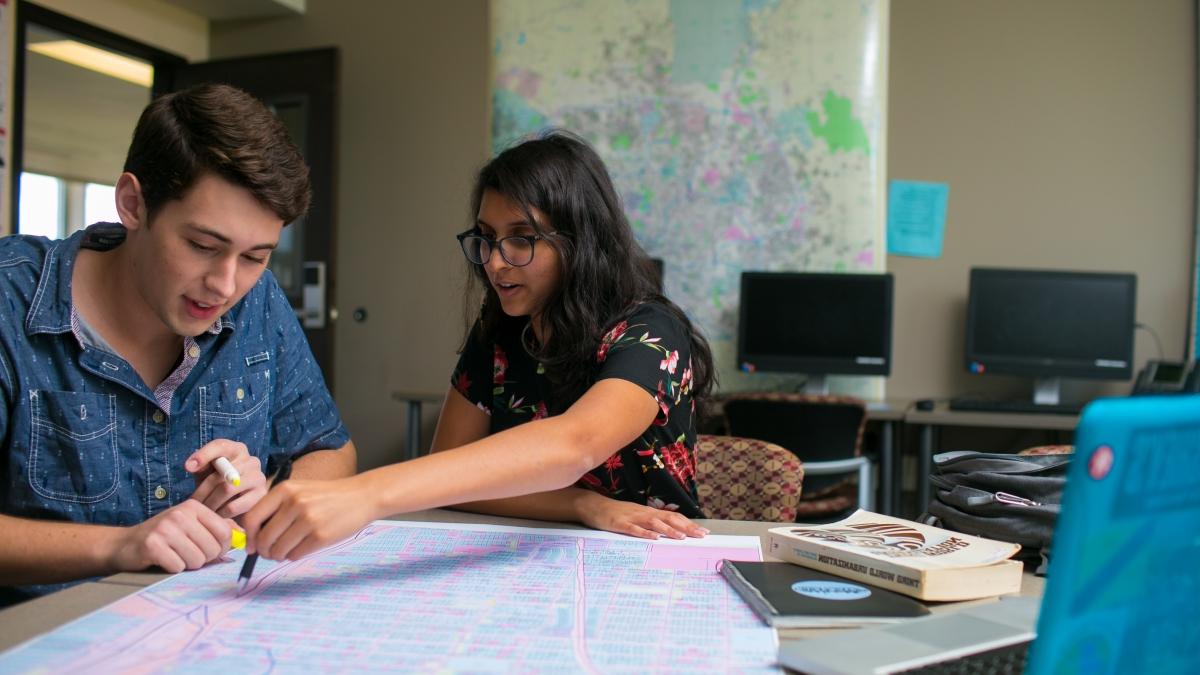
185	536
602	513
299	517
214	491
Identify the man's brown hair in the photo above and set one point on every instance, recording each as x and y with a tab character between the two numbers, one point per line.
220	129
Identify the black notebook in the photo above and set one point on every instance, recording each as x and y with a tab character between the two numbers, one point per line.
790	596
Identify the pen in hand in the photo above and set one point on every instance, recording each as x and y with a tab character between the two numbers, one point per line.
225	468
285	470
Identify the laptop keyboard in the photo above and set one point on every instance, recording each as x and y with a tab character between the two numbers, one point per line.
1001	661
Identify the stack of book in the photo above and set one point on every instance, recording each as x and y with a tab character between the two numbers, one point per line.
925	562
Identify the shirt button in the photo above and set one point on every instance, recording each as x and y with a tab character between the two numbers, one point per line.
160	492
194	351
158	417
241	393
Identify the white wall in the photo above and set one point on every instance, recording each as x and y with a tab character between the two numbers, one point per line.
411	129
1066	131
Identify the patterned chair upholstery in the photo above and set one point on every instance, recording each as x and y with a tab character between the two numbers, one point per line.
825	431
747	479
1048	450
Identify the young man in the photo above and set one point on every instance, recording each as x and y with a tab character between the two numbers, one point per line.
133	356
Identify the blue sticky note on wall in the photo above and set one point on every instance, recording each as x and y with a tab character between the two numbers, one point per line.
916	218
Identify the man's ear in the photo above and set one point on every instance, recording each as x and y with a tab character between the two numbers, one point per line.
131	206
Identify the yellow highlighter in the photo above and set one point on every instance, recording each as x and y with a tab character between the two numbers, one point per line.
225	468
238	540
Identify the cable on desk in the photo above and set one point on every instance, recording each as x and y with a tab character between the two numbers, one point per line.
1153	334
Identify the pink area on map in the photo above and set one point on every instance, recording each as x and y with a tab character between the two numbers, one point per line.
135	605
735	233
524	82
742	118
866	258
798	224
711	177
667	557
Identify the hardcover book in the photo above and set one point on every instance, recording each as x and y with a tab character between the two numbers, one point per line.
789	596
922	561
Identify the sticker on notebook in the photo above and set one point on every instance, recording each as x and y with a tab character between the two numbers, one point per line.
831	590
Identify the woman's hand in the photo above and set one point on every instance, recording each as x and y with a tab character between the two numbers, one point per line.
299	517
612	515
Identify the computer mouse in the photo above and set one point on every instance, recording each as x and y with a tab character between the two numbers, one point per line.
925	404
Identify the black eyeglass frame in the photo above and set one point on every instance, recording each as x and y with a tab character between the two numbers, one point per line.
498	245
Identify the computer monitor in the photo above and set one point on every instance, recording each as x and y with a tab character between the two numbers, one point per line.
1050	325
815	323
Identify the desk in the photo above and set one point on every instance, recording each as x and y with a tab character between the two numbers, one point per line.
942	415
35	617
888	413
415	399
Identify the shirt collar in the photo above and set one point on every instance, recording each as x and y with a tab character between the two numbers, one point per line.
52	309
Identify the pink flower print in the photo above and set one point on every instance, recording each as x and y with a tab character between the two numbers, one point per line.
679	461
668	364
540	413
663	406
591	482
463	384
610	339
612	464
499	366
656	503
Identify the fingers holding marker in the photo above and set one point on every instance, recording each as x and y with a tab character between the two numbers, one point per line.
227	471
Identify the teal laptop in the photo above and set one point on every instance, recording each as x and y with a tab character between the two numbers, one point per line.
1122	593
1123	588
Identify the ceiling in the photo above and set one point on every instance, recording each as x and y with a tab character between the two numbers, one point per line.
224	10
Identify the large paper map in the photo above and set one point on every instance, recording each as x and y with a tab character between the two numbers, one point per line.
741	135
423	597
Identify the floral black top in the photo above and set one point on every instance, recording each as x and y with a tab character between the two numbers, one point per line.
649	349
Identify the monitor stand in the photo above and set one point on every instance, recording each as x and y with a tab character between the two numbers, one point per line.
1046	390
816	385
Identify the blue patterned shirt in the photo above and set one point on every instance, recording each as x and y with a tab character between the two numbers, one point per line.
86	440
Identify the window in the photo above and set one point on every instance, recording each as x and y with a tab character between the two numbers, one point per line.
42	205
99	204
53	207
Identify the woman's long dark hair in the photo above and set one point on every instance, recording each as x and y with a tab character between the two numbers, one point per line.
605	272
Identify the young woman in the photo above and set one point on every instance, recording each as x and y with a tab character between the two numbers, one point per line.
570	307
574	397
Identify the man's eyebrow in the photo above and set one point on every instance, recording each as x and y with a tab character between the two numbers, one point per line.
226	240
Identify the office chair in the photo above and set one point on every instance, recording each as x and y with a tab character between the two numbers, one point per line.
824	431
747	479
1048	450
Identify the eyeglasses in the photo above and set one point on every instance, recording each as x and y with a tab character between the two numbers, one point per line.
517	249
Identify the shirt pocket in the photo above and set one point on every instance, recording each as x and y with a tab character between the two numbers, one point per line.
73	448
237	409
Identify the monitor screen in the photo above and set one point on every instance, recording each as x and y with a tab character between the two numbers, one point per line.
1051	324
820	324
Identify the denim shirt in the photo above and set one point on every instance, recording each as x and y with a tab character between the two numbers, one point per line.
86	440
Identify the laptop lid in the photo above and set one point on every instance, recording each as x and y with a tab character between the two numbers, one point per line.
1123	588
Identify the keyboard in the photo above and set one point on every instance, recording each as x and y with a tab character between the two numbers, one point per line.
1013	405
1000	661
